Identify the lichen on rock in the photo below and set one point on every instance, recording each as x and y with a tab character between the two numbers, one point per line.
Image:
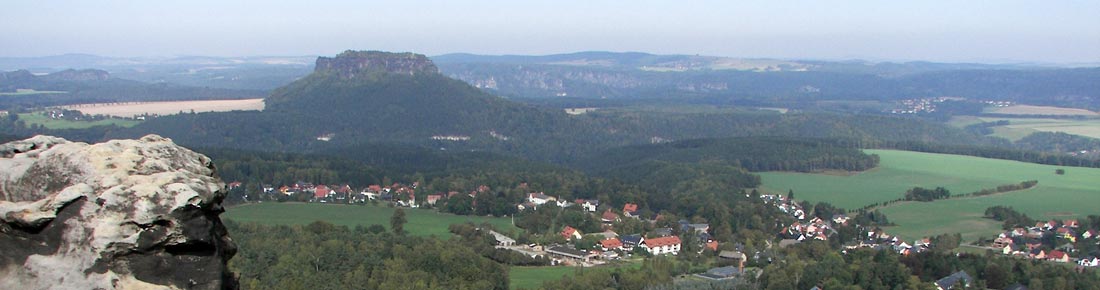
123	214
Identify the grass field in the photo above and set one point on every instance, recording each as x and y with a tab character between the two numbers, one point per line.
533	277
1057	196
38	118
1021	127
421	222
168	108
1041	110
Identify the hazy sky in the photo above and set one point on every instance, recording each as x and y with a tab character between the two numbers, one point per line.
983	31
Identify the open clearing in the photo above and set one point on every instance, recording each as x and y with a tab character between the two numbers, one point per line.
1041	110
523	277
38	118
168	108
1018	128
27	92
533	277
421	222
1074	194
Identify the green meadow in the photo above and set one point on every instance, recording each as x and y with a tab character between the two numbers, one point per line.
1075	194
421	222
521	277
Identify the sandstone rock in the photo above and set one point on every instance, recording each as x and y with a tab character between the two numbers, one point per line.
351	64
123	214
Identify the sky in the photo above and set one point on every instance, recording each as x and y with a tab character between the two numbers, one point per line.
933	30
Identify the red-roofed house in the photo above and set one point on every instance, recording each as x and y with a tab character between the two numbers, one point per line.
662	245
712	245
1058	256
374	188
234	184
570	233
611	244
609	217
630	210
321	191
433	198
1069	223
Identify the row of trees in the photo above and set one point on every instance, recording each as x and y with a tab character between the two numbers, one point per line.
324	256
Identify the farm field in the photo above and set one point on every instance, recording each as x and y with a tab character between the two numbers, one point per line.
168	108
1041	110
422	222
1021	127
38	118
1057	196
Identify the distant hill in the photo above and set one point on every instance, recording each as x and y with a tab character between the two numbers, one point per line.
798	84
70	86
400	99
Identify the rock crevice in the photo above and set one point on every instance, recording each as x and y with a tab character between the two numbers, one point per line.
122	214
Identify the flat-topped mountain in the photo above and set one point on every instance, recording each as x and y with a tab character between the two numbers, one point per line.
350	64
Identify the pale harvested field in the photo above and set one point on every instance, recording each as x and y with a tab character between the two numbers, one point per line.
1041	110
168	108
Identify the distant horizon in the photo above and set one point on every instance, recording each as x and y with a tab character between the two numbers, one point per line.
868	60
942	31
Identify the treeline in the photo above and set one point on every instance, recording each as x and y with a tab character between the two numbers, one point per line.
1009	216
1002	188
924	194
750	153
1058	142
1005	153
324	256
985	128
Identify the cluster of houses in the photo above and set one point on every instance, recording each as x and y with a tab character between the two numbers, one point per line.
880	240
611	245
1028	242
399	194
801	230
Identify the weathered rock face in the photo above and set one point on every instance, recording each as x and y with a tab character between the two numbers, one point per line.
350	64
124	214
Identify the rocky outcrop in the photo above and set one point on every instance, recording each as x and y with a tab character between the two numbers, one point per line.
351	64
123	214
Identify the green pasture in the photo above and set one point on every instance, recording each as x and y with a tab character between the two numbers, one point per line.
1021	127
1075	194
533	277
38	118
524	277
421	222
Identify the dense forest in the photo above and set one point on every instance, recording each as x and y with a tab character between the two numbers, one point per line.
324	256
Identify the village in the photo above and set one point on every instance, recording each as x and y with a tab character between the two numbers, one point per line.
611	246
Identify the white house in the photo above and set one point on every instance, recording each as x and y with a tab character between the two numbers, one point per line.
662	245
539	198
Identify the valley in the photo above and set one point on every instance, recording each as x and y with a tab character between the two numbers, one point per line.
391	158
